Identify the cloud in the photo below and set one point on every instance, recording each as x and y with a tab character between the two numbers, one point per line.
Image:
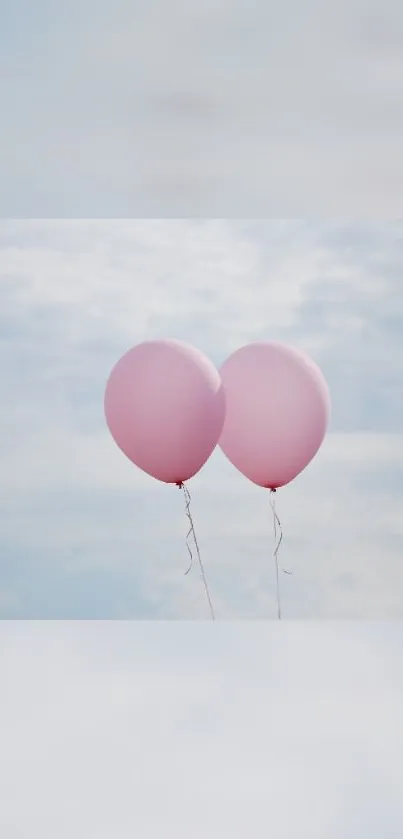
83	533
113	727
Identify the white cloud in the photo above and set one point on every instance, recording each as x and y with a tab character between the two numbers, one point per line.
131	277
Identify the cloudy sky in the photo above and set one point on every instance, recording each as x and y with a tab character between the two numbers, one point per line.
83	533
206	108
118	729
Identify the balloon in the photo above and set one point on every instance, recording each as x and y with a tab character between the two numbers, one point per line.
165	408
277	412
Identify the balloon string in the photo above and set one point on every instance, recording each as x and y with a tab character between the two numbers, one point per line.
192	532
276	524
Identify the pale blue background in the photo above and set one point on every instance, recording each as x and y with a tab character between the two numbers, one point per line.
203	108
234	730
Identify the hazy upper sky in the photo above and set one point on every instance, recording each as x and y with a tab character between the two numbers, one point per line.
83	533
234	731
206	108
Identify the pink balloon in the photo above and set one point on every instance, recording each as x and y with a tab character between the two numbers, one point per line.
277	412
165	408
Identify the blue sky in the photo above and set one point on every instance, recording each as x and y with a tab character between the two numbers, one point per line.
83	534
235	730
210	108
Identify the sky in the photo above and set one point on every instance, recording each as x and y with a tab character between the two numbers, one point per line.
205	109
86	535
115	729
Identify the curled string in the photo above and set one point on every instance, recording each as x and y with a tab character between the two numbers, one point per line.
277	528
192	533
